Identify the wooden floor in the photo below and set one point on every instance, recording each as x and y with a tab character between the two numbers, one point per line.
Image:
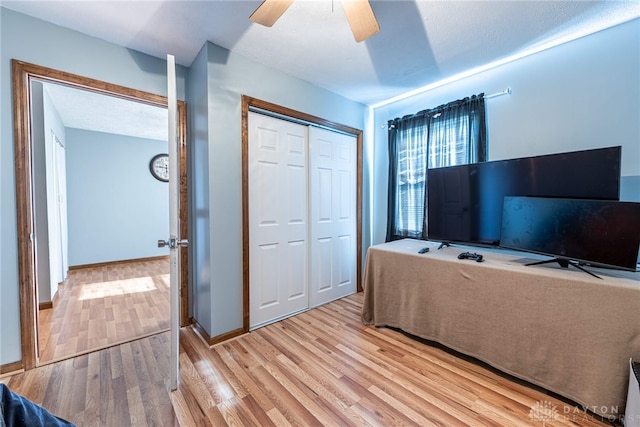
98	307
319	368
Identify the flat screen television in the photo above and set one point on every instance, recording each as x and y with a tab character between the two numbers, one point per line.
464	203
592	232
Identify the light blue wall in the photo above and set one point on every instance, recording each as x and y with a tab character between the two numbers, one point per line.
580	95
116	210
229	76
199	248
45	44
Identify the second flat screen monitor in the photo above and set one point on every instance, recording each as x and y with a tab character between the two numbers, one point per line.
465	202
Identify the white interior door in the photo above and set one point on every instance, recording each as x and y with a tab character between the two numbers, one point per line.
332	189
175	242
278	226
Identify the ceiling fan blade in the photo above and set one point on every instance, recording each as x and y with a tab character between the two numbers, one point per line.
361	19
269	11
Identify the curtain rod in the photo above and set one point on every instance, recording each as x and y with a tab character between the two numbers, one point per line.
507	91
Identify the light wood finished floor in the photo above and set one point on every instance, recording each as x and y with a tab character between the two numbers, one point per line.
319	368
100	306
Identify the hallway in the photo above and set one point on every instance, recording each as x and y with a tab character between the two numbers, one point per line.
101	306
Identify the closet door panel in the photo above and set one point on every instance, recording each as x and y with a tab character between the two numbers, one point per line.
332	190
278	226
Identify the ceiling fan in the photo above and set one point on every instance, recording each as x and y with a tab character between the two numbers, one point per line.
361	19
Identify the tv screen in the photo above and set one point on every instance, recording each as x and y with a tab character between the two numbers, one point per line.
464	203
594	232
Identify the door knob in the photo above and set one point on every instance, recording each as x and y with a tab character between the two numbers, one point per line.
173	243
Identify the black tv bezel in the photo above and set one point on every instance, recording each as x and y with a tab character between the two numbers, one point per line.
572	260
616	151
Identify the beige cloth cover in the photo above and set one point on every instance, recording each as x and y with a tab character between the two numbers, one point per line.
559	328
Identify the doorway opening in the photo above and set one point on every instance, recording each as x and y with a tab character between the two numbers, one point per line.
24	75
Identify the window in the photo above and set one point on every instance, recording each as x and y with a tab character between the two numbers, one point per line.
449	135
410	175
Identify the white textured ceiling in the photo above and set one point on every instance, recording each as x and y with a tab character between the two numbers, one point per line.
82	109
419	43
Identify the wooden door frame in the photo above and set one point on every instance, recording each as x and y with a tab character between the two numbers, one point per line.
22	74
257	104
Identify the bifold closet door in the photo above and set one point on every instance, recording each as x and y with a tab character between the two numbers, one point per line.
332	192
278	226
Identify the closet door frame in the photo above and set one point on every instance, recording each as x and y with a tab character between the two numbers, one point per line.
249	103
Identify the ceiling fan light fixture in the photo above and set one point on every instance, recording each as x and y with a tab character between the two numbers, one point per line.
270	11
361	18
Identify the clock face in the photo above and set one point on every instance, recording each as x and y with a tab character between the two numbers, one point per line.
159	167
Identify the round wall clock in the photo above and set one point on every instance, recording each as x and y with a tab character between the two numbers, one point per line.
159	167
